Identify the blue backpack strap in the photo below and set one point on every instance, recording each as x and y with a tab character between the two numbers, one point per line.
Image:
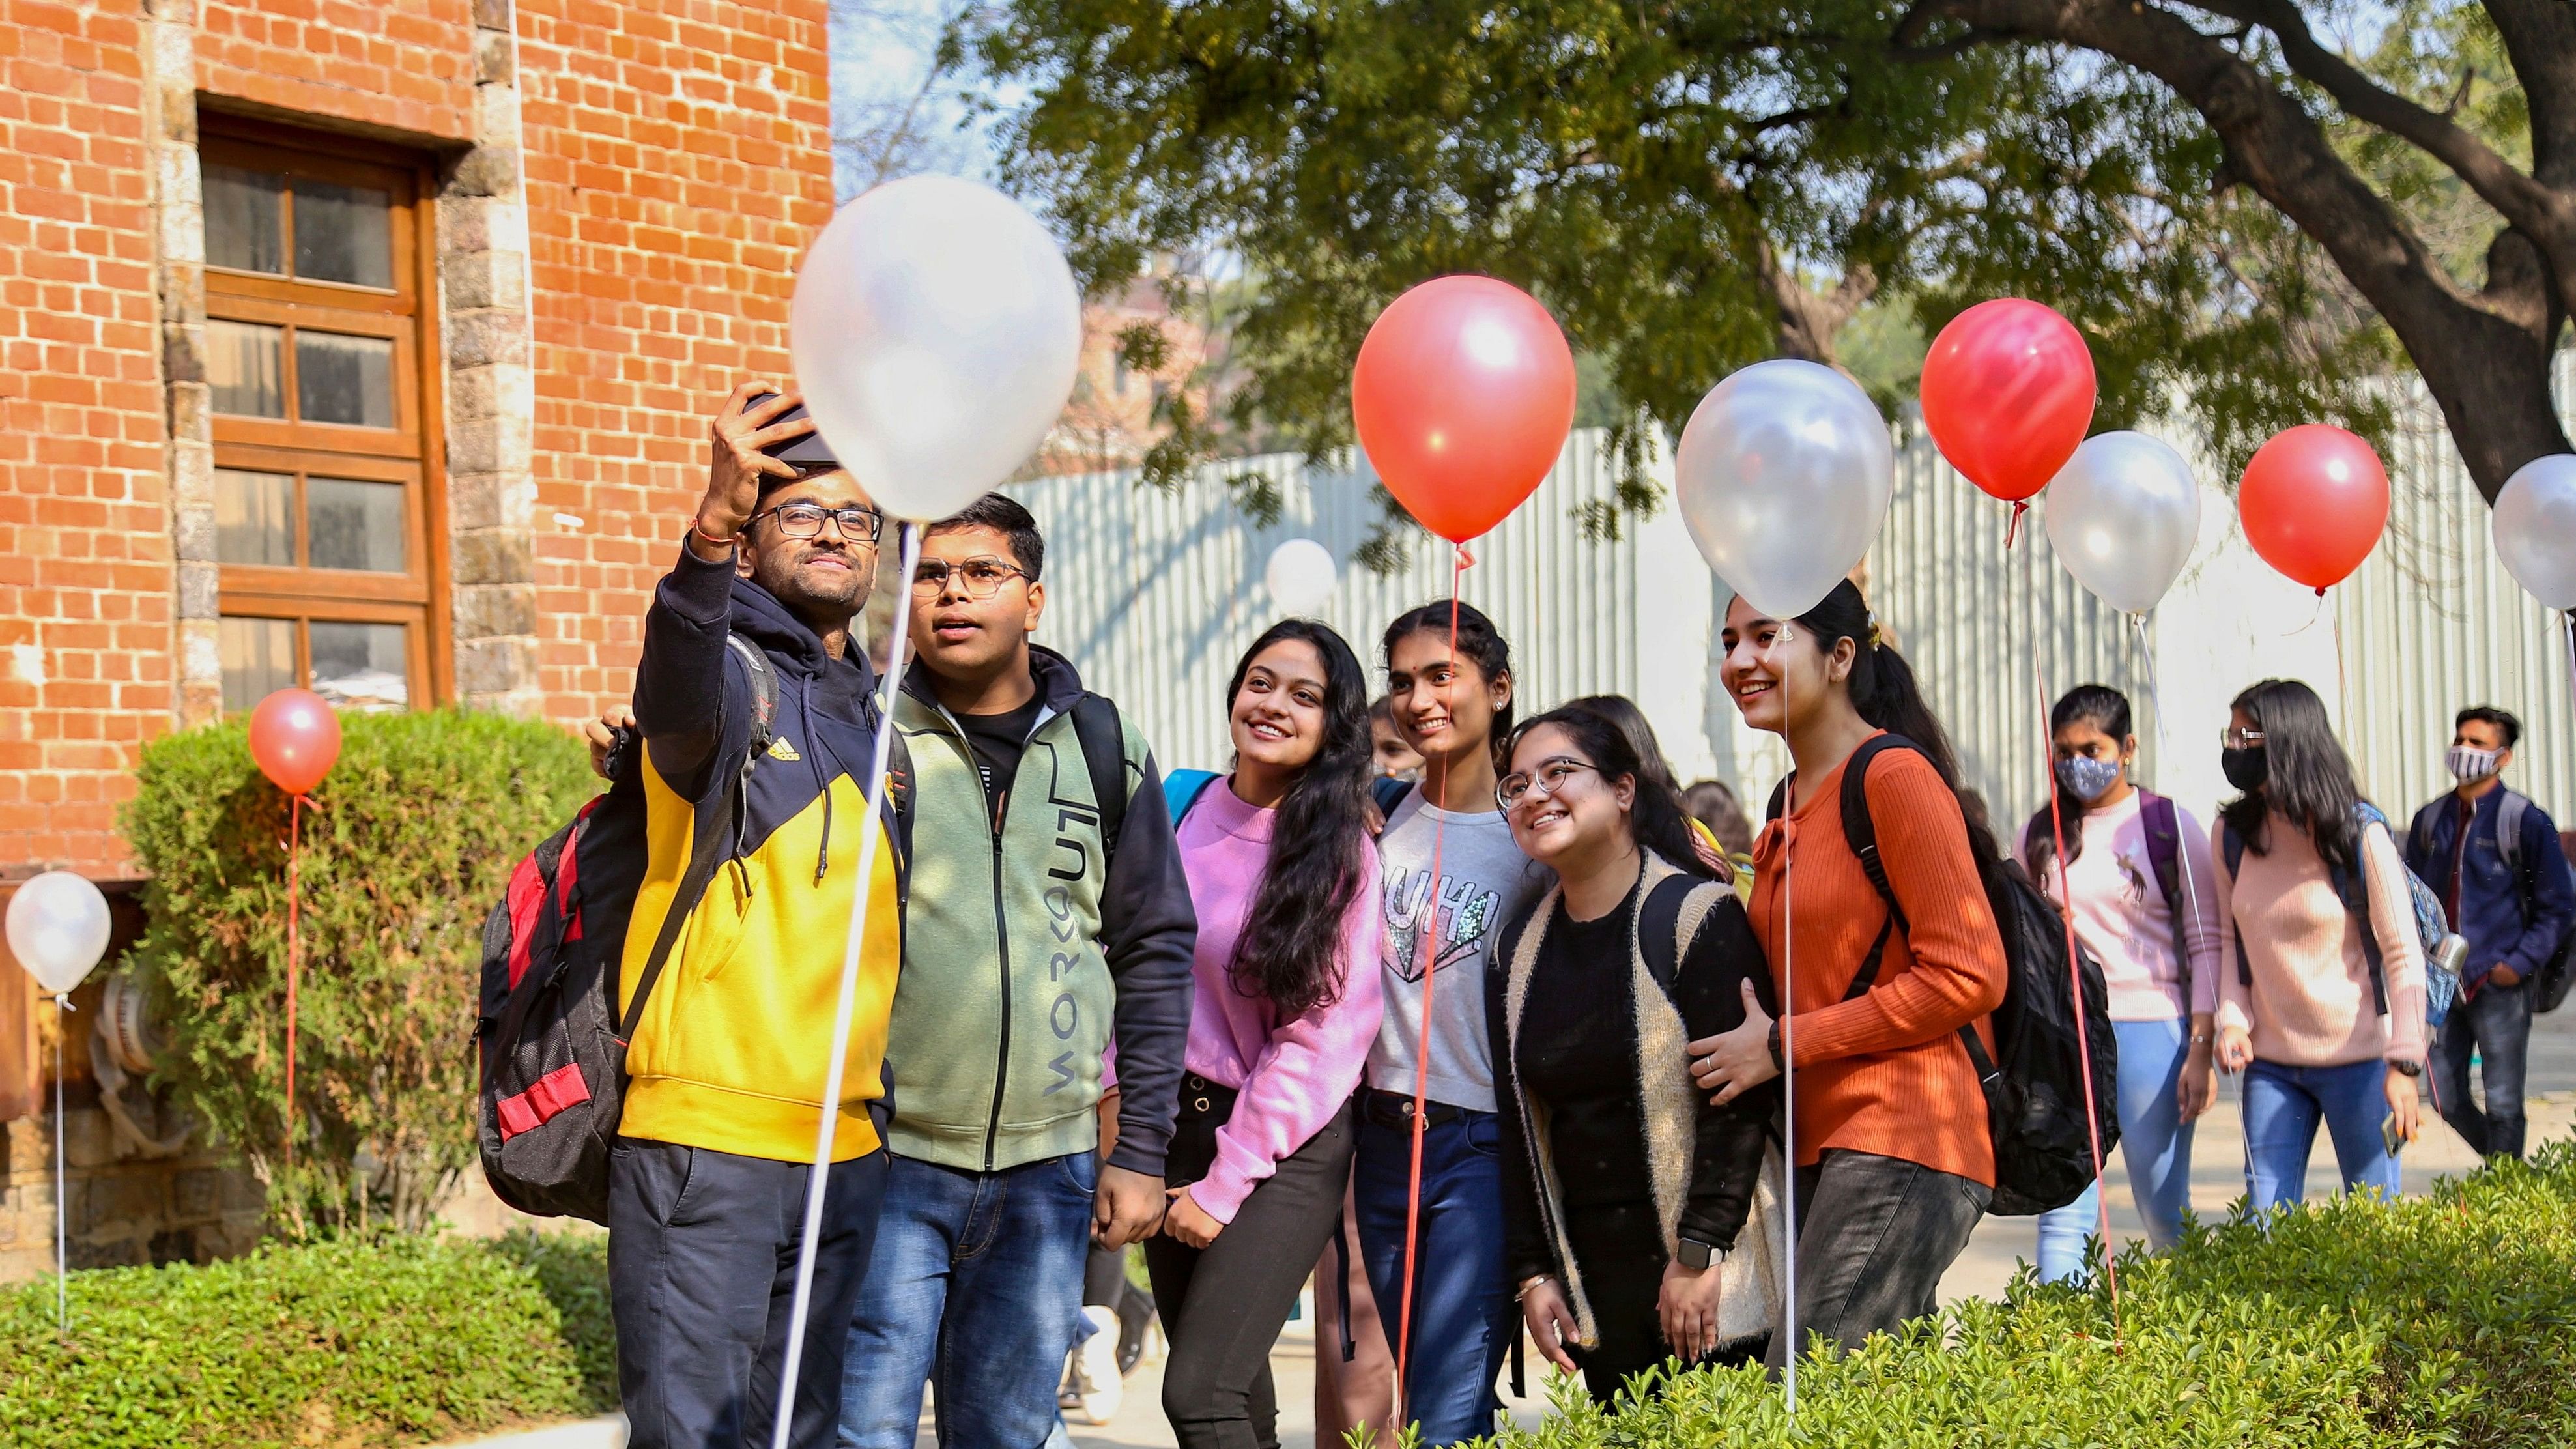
1182	789
1389	793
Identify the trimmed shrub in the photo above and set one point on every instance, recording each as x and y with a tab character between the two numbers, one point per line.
2447	1320
406	846
355	1341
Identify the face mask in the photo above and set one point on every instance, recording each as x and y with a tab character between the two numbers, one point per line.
2087	778
2470	763
2245	769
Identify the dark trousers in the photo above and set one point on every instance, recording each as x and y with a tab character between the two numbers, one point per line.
2495	1025
1875	1234
702	1249
1620	1251
1223	1305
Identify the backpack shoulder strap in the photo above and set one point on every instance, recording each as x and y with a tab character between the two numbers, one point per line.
1389	793
2509	810
2419	832
764	689
1779	800
1659	927
1860	832
1103	738
1182	789
2231	846
2352	885
2164	853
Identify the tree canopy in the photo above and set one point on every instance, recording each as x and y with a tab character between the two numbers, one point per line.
2250	224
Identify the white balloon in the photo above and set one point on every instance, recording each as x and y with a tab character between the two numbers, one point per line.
1784	476
2535	528
58	929
1300	577
2123	516
936	331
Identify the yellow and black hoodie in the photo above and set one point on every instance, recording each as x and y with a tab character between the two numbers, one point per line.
731	1050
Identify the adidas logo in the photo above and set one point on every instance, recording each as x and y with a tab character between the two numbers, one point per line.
779	749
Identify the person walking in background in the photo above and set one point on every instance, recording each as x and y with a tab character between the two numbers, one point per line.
2136	880
1625	1189
1714	805
1895	1160
1440	924
2494	858
750	885
1283	875
2322	1031
1050	918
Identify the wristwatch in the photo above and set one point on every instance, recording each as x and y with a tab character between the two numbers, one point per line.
1696	1255
2409	1069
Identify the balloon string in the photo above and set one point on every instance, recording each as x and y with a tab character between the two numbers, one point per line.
2190	887
1788	1061
1430	958
2012	526
294	848
2075	979
826	1130
62	1179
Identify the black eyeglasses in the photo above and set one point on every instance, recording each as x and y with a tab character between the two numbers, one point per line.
1547	779
982	577
805	520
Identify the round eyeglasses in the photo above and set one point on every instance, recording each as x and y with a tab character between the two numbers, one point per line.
1547	779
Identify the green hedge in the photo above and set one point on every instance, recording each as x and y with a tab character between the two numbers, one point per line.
2441	1322
346	1342
409	841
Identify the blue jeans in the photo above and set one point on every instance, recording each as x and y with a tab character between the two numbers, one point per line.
2282	1107
1463	1314
2495	1026
2154	1141
976	1283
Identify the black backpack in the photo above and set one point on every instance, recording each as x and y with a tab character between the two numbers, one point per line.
553	1043
2034	1083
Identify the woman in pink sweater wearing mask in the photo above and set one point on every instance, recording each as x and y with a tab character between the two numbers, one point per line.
1287	1002
2322	1033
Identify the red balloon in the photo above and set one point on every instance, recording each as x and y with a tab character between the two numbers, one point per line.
2007	394
1463	394
2314	501
295	739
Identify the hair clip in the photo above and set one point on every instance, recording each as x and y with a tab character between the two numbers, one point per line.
1873	629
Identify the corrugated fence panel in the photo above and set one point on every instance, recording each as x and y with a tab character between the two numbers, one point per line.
1155	595
1971	616
2433	623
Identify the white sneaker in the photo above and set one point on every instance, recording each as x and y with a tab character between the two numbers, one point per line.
1096	1384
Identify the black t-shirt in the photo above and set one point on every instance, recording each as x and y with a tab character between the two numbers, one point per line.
998	741
1578	1054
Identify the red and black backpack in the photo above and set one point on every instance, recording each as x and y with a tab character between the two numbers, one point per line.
553	1043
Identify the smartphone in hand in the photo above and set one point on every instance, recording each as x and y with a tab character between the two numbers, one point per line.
2388	1133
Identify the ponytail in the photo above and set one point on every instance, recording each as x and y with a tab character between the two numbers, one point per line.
1884	692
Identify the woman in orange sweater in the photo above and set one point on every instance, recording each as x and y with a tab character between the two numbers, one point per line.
1895	1162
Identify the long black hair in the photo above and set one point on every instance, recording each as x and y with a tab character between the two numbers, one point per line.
1479	643
1289	950
1622	711
1656	820
1884	691
2105	709
2307	778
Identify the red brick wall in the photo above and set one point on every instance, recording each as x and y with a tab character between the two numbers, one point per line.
678	161
403	64
86	578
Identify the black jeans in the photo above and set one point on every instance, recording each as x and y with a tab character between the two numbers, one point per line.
1875	1234
1223	1305
702	1252
2496	1025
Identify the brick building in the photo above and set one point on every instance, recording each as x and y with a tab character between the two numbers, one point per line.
362	344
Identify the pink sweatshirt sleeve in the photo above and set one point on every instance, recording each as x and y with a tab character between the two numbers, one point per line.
2209	964
2401	954
1309	1069
2235	1004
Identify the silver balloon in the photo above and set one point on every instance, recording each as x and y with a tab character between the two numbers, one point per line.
2535	528
936	332
58	929
1784	476
1300	577
2123	516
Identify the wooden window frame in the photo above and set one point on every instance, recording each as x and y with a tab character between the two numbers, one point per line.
411	452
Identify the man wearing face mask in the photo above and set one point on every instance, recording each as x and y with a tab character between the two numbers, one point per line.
2495	858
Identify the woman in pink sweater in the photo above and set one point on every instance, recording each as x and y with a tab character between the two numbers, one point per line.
2321	1032
1287	1003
